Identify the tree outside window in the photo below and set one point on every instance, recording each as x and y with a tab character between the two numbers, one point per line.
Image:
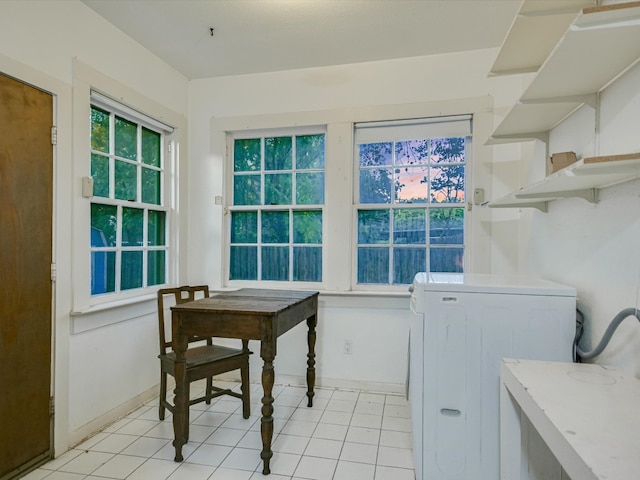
277	208
410	216
128	220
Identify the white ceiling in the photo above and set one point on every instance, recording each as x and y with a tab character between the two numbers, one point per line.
253	36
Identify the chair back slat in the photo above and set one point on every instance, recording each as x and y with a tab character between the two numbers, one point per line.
183	294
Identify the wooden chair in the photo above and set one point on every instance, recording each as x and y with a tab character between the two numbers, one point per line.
203	360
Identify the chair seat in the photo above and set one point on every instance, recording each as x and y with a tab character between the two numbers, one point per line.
204	354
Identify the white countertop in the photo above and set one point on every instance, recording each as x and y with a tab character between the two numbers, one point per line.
589	415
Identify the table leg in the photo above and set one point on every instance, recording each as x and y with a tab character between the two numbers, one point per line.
311	359
180	402
266	427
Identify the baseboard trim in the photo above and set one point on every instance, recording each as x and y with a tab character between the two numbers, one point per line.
100	423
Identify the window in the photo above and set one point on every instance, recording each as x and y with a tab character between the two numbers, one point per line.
129	217
277	208
411	188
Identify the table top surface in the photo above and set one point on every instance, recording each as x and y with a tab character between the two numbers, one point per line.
248	301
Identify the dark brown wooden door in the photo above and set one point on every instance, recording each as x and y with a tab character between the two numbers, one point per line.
26	199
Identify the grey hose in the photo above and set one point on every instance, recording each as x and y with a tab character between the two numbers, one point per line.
617	320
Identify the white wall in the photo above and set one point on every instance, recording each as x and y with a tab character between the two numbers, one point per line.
593	246
40	43
337	96
589	246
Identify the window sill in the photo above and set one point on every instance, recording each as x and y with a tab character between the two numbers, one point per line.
365	299
111	313
102	315
396	299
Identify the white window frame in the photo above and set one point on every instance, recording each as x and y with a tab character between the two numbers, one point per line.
267	132
409	129
115	108
92	311
338	219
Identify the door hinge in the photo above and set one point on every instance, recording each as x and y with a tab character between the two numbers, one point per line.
54	135
54	272
52	406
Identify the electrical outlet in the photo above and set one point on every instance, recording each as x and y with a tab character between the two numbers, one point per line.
347	347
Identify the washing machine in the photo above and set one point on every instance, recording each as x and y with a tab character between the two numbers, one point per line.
462	325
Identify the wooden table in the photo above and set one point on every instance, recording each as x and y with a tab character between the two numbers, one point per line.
250	314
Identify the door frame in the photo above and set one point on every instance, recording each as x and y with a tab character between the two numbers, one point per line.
63	192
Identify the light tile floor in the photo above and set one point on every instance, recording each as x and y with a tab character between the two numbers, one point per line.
346	435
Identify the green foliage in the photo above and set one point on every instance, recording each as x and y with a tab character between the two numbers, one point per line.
266	173
116	164
436	163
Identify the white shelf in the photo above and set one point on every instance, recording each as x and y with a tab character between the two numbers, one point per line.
598	46
581	179
534	33
585	413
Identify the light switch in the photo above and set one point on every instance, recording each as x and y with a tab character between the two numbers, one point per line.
87	187
478	196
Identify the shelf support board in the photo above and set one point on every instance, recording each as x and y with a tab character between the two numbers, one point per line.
524	136
588	194
514	71
588	99
549	11
543	206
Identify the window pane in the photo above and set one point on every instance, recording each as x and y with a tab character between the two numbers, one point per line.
132	227
103	225
373	265
412	152
126	182
310	151
131	270
310	188
103	272
407	262
275	263
449	260
156	225
150	147
246	155
374	154
100	175
277	153
99	130
275	227
446	226
126	134
155	267
277	189
244	227
151	186
447	184
409	226
412	185
270	184
448	150
307	264
243	263
375	186
373	227
246	190
307	227
126	166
